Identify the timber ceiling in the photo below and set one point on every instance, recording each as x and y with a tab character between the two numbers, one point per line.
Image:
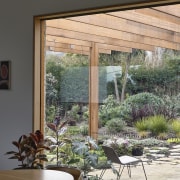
120	31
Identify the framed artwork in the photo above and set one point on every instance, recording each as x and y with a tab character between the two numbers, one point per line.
4	75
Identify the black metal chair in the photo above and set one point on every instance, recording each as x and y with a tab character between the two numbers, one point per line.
123	161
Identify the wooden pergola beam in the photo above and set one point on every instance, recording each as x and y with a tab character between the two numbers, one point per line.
106	32
138	16
75	51
103	48
120	24
166	20
173	10
50	31
67	50
68	40
114	48
67	46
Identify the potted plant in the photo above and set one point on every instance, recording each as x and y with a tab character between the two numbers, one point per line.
29	151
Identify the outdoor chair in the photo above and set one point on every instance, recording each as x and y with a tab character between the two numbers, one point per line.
123	161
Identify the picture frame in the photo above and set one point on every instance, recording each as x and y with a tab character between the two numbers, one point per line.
5	79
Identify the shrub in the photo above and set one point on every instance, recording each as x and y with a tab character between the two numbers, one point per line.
73	113
141	99
174	140
150	142
142	125
176	127
155	124
115	125
139	106
109	109
84	130
171	107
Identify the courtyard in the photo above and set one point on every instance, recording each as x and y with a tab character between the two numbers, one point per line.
157	168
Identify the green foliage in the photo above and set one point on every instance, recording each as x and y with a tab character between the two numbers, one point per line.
73	130
155	124
176	127
109	109
73	113
84	130
142	125
56	69
174	140
171	106
141	99
50	113
115	125
51	92
86	151
85	113
158	124
149	142
146	103
137	102
159	80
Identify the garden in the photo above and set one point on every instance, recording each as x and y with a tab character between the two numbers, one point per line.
139	108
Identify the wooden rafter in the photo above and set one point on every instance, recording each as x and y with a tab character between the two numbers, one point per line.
50	31
173	10
102	47
125	25
76	51
139	16
141	29
112	33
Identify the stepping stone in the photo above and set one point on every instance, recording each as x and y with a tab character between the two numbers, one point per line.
176	146
153	151
174	150
175	154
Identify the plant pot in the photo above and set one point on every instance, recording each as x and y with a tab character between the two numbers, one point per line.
137	151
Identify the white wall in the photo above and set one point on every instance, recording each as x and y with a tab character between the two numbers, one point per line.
16	45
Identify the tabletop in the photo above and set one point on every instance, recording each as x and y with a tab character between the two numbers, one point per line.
34	175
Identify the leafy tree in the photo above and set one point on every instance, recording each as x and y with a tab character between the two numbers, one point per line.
164	80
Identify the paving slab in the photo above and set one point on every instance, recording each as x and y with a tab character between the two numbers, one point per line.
154	172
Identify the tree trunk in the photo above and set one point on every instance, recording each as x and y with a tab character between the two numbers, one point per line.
125	77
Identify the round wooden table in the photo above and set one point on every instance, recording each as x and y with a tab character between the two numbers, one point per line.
34	175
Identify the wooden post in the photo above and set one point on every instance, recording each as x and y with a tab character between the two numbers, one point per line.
93	92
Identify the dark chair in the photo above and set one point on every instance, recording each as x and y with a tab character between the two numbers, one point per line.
122	161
